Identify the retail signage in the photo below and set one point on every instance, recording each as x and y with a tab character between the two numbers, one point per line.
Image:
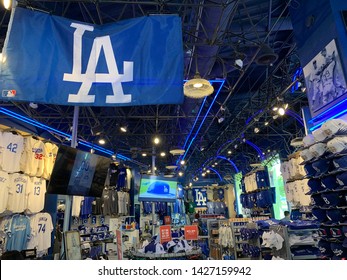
119	244
191	232
167	220
132	62
200	197
165	234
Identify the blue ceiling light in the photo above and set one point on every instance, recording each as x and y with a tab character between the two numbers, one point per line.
231	162
215	171
60	133
203	120
260	153
296	116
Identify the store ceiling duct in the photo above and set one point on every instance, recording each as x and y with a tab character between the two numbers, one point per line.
266	56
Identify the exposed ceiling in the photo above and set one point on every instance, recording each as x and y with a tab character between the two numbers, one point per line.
215	33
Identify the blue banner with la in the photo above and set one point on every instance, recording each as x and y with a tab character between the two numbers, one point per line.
50	59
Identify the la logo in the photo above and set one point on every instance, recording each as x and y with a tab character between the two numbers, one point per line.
113	77
200	199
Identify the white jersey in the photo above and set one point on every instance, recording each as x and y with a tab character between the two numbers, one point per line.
36	191
32	161
18	192
12	149
51	151
4	190
41	229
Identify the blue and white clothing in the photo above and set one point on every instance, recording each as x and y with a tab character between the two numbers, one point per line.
18	233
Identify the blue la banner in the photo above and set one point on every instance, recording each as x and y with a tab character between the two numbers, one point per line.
50	59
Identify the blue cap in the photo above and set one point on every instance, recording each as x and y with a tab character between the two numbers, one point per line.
340	163
333	199
342	180
317	200
310	171
330	182
315	186
324	232
325	248
339	250
323	166
319	214
334	216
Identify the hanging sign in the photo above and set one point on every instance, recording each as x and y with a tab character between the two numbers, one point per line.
165	234
132	62
191	232
200	197
167	220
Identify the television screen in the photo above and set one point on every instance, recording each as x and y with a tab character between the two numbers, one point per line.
77	172
154	188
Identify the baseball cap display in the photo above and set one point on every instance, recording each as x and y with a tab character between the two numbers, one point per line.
319	214
323	166
319	135
342	180
306	155
334	127
308	140
318	149
333	199
310	171
338	145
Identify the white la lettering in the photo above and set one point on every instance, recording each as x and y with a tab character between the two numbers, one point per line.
199	198
113	77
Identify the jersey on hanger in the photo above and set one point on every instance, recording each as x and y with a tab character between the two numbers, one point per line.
12	146
41	229
4	190
36	190
18	192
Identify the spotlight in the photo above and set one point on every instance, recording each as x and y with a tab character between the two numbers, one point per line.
156	140
102	141
266	123
190	184
281	111
183	162
123	128
114	157
256	130
208	171
229	152
221	119
162	154
203	174
180	173
144	154
275	117
7	4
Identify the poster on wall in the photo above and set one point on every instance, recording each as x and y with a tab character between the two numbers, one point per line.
325	80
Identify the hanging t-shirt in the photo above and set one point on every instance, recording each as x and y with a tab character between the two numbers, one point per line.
41	229
4	190
12	149
51	151
76	205
36	190
18	233
209	193
86	207
114	171
121	180
97	206
18	192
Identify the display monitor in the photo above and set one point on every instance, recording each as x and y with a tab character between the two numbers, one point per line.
155	188
76	172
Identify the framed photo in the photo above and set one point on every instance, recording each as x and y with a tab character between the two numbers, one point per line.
72	243
325	80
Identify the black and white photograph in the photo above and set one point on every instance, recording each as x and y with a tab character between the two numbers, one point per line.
324	79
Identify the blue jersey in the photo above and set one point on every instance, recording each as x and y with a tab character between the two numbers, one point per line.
86	207
18	231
